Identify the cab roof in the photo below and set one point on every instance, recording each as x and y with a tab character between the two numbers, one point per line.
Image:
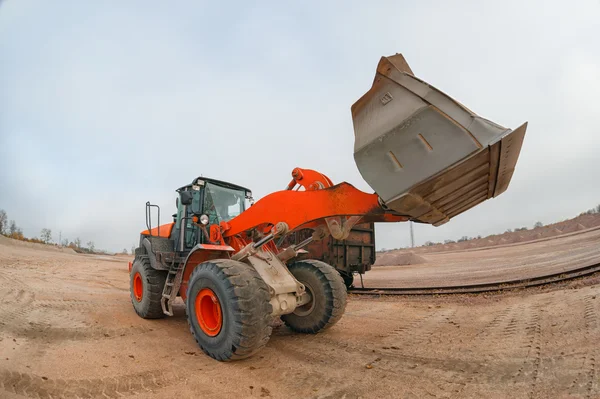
213	181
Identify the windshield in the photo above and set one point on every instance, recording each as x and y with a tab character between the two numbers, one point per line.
222	203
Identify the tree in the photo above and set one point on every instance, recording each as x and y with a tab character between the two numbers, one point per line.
463	238
3	221
133	250
12	228
538	224
90	246
65	242
46	235
77	243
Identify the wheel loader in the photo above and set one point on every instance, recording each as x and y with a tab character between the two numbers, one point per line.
426	156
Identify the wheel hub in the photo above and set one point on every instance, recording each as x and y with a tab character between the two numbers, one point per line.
208	312
138	287
307	308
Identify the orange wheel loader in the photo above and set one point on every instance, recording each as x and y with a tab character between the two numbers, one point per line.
427	157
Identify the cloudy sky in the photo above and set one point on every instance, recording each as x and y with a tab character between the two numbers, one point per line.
105	105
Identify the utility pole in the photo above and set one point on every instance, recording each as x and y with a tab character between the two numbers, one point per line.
412	235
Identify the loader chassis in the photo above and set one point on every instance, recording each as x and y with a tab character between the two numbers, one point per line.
237	264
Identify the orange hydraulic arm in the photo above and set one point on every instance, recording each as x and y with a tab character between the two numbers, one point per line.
320	200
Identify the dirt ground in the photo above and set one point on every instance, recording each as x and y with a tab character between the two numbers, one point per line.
67	329
491	265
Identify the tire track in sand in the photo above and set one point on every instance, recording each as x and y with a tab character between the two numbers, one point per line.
35	386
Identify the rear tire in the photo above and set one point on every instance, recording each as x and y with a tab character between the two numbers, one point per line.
145	288
328	293
228	309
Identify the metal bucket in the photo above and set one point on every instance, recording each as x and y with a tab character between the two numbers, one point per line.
426	155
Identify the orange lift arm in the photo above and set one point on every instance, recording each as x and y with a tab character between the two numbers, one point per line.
320	200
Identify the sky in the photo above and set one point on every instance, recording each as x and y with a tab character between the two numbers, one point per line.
107	105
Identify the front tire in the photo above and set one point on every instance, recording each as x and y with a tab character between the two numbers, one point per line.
145	288
228	309
328	297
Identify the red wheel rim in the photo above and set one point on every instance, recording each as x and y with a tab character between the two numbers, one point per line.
208	312
138	287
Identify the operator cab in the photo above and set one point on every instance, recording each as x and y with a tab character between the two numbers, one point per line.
210	201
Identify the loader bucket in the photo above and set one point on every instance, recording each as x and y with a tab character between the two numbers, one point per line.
426	155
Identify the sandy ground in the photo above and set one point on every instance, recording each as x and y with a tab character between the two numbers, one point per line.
67	329
489	265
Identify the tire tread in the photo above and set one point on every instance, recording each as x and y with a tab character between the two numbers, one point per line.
155	281
335	292
249	296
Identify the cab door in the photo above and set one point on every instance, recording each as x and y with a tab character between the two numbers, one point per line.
193	234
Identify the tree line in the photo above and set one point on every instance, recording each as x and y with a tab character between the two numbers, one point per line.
9	228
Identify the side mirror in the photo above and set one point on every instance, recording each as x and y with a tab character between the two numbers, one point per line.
186	198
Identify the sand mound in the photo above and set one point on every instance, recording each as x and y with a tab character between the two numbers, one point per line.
573	228
44	247
552	232
399	259
517	238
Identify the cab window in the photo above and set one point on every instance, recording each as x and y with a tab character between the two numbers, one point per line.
222	203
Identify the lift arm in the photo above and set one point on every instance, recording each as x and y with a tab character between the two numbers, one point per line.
320	200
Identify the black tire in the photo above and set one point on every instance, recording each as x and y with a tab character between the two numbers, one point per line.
328	293
347	277
153	282
245	308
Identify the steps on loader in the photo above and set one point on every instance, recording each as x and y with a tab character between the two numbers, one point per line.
171	288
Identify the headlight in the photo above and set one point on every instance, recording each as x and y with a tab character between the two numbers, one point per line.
204	219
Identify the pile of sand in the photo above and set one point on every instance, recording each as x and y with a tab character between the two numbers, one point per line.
399	259
551	232
34	245
573	228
